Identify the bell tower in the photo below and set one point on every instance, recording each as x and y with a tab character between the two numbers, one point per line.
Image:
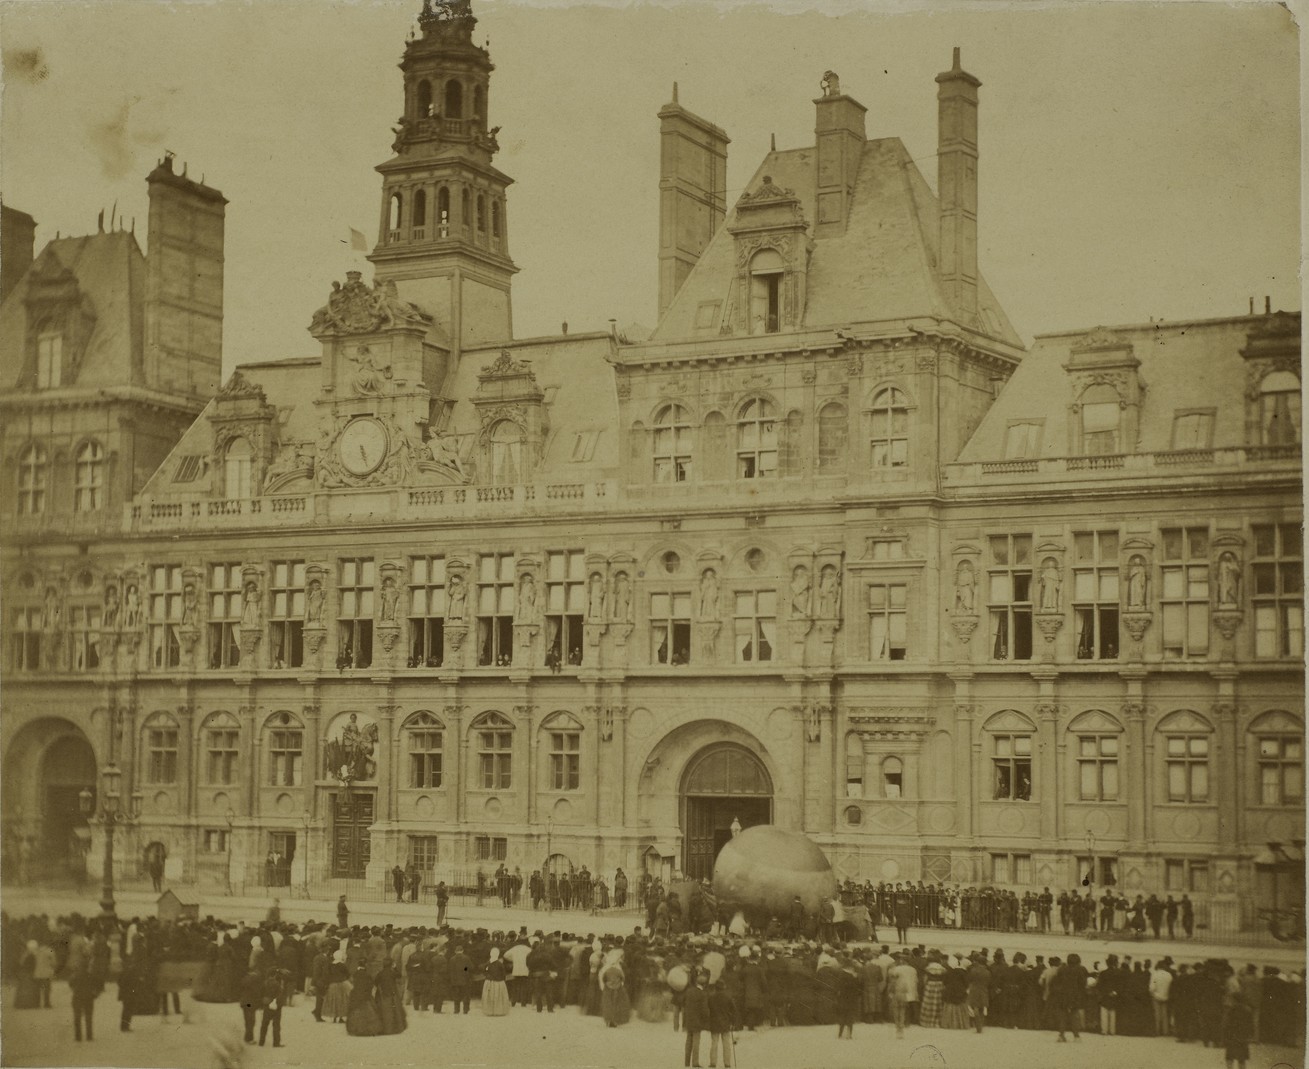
444	234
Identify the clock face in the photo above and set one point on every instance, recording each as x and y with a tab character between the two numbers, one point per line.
362	446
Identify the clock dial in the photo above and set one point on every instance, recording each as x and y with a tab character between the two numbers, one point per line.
362	446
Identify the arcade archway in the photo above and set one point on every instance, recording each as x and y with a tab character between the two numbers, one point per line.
45	767
722	783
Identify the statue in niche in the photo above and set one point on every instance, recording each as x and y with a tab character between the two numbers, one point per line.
50	610
527	598
250	608
189	608
622	597
801	588
314	602
1229	581
709	594
456	595
131	608
1049	583
350	756
390	599
595	598
829	592
1136	583
370	374
109	614
965	589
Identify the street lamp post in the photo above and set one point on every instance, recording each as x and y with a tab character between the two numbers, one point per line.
1090	877
545	869
231	823
305	818
112	814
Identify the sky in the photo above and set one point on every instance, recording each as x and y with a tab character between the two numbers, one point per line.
1136	161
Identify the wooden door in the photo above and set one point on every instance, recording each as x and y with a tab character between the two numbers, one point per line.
352	816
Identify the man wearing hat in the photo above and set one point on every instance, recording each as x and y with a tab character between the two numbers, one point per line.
695	1017
901	991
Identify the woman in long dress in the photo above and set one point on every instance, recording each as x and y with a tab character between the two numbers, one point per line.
495	993
361	1018
390	1005
929	1013
591	1000
336	1003
615	1006
954	997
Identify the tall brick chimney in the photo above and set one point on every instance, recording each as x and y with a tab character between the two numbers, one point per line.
183	283
839	137
957	186
17	247
692	192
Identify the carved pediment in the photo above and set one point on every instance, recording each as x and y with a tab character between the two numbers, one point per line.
1010	720
1095	722
1185	721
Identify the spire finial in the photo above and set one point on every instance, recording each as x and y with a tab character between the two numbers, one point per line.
957	65
772	142
674	92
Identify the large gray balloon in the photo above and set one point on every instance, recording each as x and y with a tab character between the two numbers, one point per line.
762	869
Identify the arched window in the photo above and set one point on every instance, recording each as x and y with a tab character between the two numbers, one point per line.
495	218
890	429
33	473
424	739
1097	737
1279	756
420	208
454	99
424	99
465	209
1186	749
1279	409
238	465
1011	734
506	453
495	746
766	272
892	777
479	102
672	445
481	213
756	440
159	742
395	212
1101	414
443	212
89	477
833	430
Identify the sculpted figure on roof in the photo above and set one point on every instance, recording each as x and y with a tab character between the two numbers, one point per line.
354	308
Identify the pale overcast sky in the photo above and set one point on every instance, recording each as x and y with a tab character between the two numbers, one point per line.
1137	161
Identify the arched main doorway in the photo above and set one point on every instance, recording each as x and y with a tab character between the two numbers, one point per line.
722	783
46	766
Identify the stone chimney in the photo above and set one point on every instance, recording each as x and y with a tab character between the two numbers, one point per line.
692	192
17	247
839	138
184	283
957	187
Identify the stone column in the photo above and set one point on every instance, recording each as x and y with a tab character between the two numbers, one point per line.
454	773
1136	795
965	790
1050	784
525	723
1227	765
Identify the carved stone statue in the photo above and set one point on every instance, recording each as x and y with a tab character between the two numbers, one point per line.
350	757
527	599
1136	583
131	608
965	589
829	592
801	589
371	373
189	606
356	309
595	598
50	610
1050	583
708	594
314	602
456	596
622	597
109	614
390	599
251	610
1229	581
831	84
444	450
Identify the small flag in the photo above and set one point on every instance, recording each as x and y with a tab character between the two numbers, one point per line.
358	242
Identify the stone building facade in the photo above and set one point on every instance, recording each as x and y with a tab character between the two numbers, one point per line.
831	549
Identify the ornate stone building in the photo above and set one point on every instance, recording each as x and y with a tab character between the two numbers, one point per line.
830	549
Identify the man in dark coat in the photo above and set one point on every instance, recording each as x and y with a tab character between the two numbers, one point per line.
540	964
1068	996
251	996
460	979
904	915
322	977
398	882
695	1017
274	997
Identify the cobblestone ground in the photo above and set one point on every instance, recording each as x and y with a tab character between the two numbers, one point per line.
565	1039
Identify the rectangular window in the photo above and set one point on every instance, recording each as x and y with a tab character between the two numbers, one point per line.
565	606
999	868
1022	440
286	621
1011	868
1013	767
488	848
49	361
1187	764
215	840
565	760
670	628
423	853
26	643
1281	770
1097	768
426	764
1186	876
756	625
221	755
1278	594
1184	599
495	609
165	615
224	615
355	615
285	757
886	548
427	612
84	638
161	755
1010	594
1095	594
495	759
887	622
1193	430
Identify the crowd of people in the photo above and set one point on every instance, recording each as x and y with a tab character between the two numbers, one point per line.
368	978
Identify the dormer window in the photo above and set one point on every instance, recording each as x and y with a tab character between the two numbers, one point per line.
1101	413
506	453
238	469
88	494
1279	409
766	292
49	361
